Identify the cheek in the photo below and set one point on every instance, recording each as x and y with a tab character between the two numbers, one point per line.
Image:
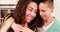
35	15
27	12
41	13
48	15
49	12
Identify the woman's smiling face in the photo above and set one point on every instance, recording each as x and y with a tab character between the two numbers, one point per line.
31	11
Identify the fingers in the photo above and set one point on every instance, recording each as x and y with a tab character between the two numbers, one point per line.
19	28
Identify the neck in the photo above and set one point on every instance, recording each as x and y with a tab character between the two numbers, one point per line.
25	25
48	21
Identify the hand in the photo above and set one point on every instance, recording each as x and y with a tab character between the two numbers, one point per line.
19	28
26	29
16	27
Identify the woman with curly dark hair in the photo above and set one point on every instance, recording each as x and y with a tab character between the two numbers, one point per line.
24	17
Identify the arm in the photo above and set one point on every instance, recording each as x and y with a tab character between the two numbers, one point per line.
7	24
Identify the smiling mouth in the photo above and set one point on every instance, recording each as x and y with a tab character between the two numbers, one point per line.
30	17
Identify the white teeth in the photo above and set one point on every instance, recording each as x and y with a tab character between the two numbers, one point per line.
29	17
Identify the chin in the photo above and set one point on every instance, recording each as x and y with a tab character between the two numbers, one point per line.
44	18
28	21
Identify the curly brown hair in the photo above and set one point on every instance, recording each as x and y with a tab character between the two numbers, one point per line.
20	11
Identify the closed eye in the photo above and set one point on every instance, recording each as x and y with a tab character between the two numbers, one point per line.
43	10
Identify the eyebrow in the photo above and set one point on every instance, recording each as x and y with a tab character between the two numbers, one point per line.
31	7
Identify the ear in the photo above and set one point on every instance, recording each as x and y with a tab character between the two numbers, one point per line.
52	8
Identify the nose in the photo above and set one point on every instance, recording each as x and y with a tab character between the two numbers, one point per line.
40	13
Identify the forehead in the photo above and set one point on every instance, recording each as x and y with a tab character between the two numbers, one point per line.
32	4
43	6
